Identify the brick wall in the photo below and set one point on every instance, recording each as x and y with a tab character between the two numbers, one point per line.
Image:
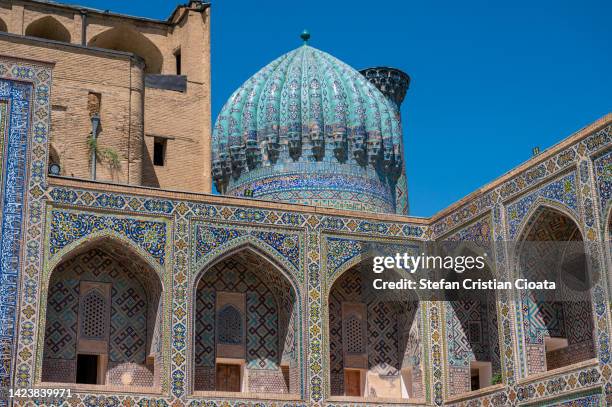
129	111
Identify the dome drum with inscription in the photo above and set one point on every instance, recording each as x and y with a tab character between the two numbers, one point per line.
309	129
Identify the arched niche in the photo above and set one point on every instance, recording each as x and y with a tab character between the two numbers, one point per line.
3	26
48	28
104	318
247	325
375	348
128	40
558	326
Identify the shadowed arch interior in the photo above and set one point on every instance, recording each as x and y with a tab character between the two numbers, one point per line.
128	40
374	338
558	326
3	27
48	28
472	331
104	308
246	327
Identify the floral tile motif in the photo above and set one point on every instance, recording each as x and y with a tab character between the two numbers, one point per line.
182	235
67	227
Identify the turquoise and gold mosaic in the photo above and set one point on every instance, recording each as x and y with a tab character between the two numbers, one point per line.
43	222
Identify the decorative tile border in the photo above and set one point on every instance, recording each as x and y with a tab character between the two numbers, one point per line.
277	229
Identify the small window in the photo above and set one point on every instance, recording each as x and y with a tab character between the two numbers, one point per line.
229	323
480	375
159	151
87	369
177	58
474	379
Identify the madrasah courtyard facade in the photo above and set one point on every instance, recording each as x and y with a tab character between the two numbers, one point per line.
125	280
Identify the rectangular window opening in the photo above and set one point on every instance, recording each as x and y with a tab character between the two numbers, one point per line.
87	369
481	375
177	58
159	151
474	379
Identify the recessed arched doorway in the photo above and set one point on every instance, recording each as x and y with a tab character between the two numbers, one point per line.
104	318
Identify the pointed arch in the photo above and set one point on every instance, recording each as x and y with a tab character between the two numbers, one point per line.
234	288
557	330
128	40
48	28
116	240
539	206
387	341
103	297
248	243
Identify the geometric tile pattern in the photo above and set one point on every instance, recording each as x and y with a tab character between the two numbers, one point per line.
128	324
562	191
387	344
263	338
28	254
15	105
603	173
210	239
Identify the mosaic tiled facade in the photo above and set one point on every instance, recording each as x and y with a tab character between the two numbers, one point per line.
390	335
133	317
190	242
264	329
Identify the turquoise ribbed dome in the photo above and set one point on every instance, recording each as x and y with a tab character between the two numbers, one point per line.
309	115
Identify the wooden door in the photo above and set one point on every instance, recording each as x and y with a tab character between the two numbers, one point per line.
228	377
352	383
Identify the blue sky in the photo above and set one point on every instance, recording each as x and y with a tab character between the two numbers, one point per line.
490	79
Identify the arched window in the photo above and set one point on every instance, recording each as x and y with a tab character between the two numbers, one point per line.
128	40
48	28
229	321
559	331
375	348
103	318
247	327
55	167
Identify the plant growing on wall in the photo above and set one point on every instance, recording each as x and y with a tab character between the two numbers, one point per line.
107	154
496	379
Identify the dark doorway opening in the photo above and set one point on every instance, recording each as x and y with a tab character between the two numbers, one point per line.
474	379
87	369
